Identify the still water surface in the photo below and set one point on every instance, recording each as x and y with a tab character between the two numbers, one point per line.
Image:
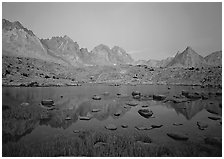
77	101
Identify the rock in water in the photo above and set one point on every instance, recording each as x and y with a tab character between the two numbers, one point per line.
134	93
84	118
68	118
95	110
132	103
47	102
111	127
213	141
177	136
202	126
118	113
177	124
146	113
76	131
159	97
143	128
124	126
214	118
156	126
95	97
24	104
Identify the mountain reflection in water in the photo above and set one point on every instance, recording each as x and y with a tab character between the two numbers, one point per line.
19	121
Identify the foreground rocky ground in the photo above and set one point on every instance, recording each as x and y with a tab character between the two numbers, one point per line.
18	71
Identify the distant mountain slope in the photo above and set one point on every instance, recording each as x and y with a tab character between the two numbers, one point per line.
19	41
188	58
214	58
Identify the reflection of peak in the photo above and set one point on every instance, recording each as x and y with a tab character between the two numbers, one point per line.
189	109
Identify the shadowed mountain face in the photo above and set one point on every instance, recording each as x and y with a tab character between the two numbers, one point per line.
188	58
214	58
20	42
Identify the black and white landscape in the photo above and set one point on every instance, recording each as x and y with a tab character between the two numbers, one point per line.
59	99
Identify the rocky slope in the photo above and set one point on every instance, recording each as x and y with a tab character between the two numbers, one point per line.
188	58
214	59
20	42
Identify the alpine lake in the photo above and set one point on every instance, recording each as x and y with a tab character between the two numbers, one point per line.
108	120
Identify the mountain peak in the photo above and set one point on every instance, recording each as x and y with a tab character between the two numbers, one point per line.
7	25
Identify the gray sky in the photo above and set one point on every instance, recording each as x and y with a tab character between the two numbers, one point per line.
145	30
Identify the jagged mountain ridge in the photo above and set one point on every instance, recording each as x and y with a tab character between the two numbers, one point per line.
19	41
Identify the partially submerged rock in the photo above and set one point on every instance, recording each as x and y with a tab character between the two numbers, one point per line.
76	131
177	136
124	126
24	104
111	127
192	96
118	113
47	102
146	113
145	106
177	124
202	126
95	110
159	97
84	118
156	126
96	97
68	118
137	97
132	103
134	93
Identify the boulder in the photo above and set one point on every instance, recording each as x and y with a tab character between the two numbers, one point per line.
159	97
47	102
68	118
202	126
76	131
219	93
24	104
214	118
111	127
137	97
84	118
118	113
177	124
124	126
132	103
213	141
146	113
96	97
134	93
204	96
177	136
95	110
156	126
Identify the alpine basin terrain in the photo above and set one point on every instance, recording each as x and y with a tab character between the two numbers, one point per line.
60	61
109	113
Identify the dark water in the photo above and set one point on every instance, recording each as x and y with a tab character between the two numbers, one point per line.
77	101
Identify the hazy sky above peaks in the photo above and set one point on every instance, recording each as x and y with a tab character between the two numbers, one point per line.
145	30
